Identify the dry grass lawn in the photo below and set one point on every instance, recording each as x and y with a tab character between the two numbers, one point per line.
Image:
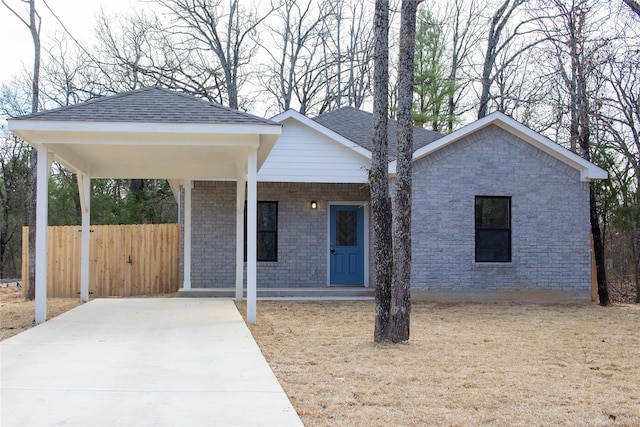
465	365
17	315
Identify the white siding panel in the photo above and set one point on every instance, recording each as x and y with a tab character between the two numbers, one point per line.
305	155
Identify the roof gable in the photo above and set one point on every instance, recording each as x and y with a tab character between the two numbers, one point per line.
306	154
151	104
357	126
588	171
311	123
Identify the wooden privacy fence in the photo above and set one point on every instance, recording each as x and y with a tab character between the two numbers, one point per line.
124	260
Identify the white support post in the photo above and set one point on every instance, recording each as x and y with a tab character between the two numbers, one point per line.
84	187
240	194
42	213
186	284
252	226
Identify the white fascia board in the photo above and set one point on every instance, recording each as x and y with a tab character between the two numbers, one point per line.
314	179
588	171
69	138
279	118
133	127
594	173
293	114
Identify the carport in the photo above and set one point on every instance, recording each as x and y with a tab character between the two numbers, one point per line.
150	133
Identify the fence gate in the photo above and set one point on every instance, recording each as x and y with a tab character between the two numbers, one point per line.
124	260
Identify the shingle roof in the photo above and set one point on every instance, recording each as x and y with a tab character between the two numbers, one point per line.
149	105
357	126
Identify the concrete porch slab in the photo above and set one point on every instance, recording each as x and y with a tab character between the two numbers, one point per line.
337	293
340	293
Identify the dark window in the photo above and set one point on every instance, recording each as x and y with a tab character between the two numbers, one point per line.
267	237
347	228
493	229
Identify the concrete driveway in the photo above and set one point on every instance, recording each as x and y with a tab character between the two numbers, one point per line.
141	362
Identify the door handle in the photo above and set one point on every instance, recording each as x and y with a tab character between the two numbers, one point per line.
333	251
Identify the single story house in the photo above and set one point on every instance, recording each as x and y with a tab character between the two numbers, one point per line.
284	203
496	206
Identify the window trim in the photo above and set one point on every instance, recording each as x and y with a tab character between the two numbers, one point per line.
509	231
258	231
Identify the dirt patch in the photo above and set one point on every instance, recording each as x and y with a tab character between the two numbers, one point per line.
466	364
17	315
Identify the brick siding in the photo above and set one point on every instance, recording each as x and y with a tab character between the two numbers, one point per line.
549	208
302	232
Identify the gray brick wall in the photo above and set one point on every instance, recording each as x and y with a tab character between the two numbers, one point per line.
550	222
550	217
302	232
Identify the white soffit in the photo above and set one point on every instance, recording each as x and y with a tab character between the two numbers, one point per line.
150	150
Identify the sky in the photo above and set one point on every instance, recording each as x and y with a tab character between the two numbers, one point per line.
78	16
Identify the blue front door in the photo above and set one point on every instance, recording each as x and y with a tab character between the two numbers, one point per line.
346	244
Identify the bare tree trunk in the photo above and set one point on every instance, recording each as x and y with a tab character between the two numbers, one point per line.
338	93
622	125
294	70
229	61
379	174
464	31
136	185
598	250
453	77
453	74
35	100
498	22
637	262
573	20
4	227
581	127
359	55
34	27
598	245
401	284
223	32
635	238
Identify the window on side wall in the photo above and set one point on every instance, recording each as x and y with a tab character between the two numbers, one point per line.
267	236
493	229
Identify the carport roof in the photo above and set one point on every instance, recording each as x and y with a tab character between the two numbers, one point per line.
148	105
149	133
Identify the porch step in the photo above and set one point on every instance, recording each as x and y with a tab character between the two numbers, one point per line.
324	293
